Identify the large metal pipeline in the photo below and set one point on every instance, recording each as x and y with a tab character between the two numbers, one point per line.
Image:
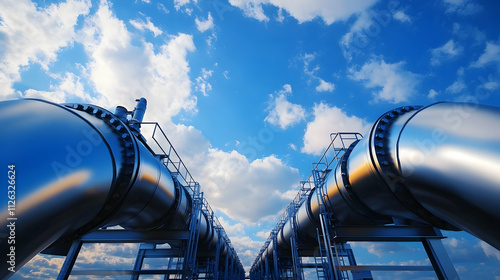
78	168
437	165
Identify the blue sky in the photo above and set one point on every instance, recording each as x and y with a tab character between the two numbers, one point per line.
248	91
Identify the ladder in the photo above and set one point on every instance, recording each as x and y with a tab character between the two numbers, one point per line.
192	244
321	259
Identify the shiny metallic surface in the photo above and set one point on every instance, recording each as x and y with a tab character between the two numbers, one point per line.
64	172
79	168
449	157
438	165
150	198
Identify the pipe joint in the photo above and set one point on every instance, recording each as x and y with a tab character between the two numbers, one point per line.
387	167
346	190
126	172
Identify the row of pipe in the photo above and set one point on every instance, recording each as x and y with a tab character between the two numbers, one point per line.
437	165
79	168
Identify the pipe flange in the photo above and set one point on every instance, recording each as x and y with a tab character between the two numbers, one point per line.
388	171
350	197
125	175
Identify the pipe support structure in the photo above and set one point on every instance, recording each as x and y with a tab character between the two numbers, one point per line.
79	168
436	165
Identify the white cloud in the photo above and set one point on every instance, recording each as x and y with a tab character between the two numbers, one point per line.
491	54
69	87
381	249
325	86
180	3
204	25
141	25
432	93
445	52
263	234
26	38
162	8
202	84
312	74
491	85
328	10
462	7
328	120
232	229
356	36
283	113
397	84
489	250
41	267
231	181
122	72
106	256
402	16
251	8
247	249
456	87
280	17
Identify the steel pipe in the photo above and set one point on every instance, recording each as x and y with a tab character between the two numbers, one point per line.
79	168
436	165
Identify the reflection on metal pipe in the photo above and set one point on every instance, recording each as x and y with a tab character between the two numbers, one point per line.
79	168
437	165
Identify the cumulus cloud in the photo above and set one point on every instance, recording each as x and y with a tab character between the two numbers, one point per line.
283	113
491	54
329	11
432	93
328	120
445	52
402	16
69	87
232	181
325	86
229	179
122	72
107	256
25	37
204	25
91	256
41	267
397	84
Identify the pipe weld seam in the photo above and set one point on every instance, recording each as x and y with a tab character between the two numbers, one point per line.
349	196
126	171
387	168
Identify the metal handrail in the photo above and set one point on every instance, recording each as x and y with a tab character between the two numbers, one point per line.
173	162
304	191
